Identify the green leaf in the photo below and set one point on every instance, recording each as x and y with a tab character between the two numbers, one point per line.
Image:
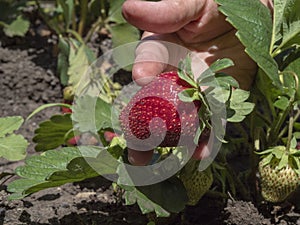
63	60
278	8
211	78
221	64
226	81
97	8
163	194
238	109
9	10
189	95
286	24
115	11
283	161
18	27
265	152
133	195
12	146
185	71
287	56
116	147
267	160
53	168
79	64
254	30
187	66
67	7
92	114
123	34
199	132
282	103
278	152
293	142
295	67
52	133
297	135
296	154
289	84
9	124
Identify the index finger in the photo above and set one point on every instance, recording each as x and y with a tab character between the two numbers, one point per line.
156	53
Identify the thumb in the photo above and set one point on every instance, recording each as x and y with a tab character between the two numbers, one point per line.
166	16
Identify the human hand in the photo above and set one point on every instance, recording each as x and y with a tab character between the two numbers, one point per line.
196	25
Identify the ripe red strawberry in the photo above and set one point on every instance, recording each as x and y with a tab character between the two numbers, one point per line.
73	141
65	110
177	121
109	135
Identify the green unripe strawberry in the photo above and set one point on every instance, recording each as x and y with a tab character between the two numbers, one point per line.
68	93
278	175
196	182
277	185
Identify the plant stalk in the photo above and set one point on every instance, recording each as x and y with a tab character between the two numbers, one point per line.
74	24
95	25
83	16
290	132
2	24
51	25
280	121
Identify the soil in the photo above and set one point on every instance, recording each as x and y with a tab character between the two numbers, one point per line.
28	79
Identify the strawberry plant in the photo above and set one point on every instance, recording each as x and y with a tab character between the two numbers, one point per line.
108	156
82	18
75	22
273	125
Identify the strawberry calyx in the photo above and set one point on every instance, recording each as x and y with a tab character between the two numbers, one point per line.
281	157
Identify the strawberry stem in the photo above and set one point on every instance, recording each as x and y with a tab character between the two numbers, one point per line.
191	166
83	16
275	130
290	132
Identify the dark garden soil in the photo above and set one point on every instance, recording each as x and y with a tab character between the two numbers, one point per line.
27	80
